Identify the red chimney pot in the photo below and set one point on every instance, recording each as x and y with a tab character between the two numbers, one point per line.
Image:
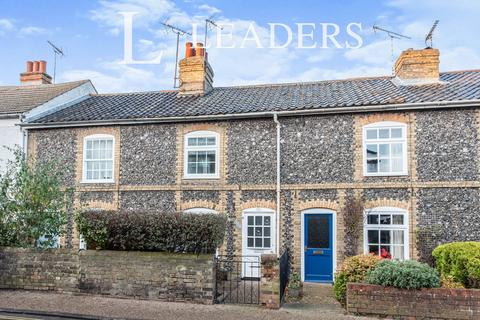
200	50
29	66
189	50
42	66
36	66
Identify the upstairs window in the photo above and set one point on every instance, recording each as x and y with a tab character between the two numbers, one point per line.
201	155
98	159
385	149
386	233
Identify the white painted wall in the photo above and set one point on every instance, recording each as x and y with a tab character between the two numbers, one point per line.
10	135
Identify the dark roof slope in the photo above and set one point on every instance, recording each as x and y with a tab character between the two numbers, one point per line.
462	85
19	99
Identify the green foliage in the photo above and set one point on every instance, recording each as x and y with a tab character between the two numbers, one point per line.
32	203
461	261
353	269
295	281
164	232
404	274
450	283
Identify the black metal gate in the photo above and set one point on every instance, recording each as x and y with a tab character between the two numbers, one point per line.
237	279
284	274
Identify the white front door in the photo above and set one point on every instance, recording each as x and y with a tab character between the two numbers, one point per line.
258	237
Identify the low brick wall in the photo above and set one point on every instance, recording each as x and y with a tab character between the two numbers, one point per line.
436	303
148	275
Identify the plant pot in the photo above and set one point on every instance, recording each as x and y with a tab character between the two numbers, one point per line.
295	293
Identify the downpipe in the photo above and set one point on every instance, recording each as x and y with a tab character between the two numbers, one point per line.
277	216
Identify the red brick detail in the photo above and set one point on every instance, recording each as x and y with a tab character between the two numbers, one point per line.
438	303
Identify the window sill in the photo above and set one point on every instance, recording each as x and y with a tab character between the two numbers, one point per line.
97	181
201	178
385	174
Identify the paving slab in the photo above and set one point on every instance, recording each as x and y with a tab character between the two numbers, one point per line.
101	307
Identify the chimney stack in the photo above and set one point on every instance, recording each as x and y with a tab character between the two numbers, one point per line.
416	67
196	74
36	74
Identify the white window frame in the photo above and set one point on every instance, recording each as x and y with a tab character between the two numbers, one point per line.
215	148
200	211
84	160
403	140
404	227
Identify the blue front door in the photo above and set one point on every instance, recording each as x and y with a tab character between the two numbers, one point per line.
318	247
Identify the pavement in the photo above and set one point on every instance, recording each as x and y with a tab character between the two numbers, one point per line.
318	303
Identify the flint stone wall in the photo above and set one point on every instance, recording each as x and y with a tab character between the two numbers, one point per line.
145	275
446	145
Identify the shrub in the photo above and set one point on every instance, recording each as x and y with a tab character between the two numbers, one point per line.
353	269
450	283
461	261
165	232
33	203
404	274
295	281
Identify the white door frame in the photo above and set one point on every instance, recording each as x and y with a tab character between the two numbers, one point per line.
273	230
334	237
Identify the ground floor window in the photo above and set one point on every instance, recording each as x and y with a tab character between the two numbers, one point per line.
386	232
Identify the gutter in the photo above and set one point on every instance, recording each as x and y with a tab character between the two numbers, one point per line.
277	216
321	111
9	115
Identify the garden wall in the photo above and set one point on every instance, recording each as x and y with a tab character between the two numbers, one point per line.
436	303
148	275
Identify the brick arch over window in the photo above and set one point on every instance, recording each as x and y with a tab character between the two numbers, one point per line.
318	204
258	204
199	204
385	202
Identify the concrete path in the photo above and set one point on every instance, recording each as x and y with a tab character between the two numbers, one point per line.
318	304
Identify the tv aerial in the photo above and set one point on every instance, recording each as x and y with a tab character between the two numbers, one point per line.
429	36
209	23
57	52
393	35
179	32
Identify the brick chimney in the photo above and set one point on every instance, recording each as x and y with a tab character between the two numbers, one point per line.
36	74
196	74
415	67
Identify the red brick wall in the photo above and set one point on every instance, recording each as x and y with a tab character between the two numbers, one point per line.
413	304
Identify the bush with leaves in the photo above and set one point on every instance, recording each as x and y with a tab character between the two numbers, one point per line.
459	260
407	274
33	203
353	269
147	231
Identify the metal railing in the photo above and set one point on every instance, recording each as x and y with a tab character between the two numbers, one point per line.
284	274
237	279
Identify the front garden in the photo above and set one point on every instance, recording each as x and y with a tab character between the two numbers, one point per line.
368	284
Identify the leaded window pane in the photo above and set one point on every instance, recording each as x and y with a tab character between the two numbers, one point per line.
396	133
372	166
385	219
384	133
372	219
372	236
384	165
372	151
372	134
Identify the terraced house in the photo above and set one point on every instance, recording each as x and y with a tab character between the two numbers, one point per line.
284	161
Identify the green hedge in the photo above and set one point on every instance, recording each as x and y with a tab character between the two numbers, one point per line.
353	269
163	232
404	274
461	261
